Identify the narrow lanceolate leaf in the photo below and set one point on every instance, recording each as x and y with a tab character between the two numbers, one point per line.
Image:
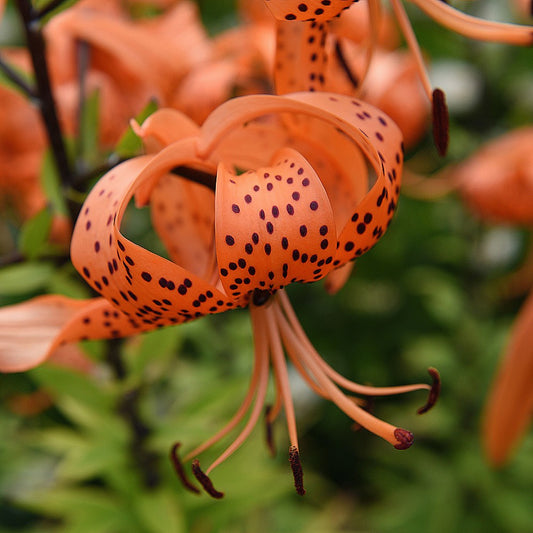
149	289
308	9
274	226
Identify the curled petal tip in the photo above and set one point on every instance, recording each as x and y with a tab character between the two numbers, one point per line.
178	467
433	393
405	439
205	481
297	472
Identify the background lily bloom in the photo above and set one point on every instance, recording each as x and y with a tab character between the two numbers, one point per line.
277	223
497	184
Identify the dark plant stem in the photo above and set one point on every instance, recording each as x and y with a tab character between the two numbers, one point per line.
44	97
128	407
17	79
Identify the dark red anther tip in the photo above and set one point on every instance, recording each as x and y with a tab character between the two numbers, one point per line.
297	472
405	439
433	393
441	122
178	467
204	480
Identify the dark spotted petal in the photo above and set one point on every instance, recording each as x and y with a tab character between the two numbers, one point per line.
274	226
148	288
307	10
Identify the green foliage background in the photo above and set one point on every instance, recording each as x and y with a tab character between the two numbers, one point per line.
427	295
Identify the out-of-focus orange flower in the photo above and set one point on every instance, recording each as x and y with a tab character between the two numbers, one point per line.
285	211
497	181
510	403
130	62
497	184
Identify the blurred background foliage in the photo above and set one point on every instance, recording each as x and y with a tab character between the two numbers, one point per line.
430	294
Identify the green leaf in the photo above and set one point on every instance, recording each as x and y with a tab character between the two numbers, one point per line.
129	144
88	147
85	510
34	234
52	185
152	507
24	278
64	382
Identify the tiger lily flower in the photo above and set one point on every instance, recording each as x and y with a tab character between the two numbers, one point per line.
124	62
497	184
303	48
279	220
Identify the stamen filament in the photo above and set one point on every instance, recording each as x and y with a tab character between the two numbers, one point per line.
260	340
280	366
373	424
262	348
475	28
412	43
333	374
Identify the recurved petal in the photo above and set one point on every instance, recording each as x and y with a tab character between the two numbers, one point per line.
300	57
510	403
274	226
31	331
183	216
375	134
307	10
148	288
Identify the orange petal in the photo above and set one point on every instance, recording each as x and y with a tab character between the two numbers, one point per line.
183	216
510	404
300	57
274	226
145	286
308	10
375	134
31	331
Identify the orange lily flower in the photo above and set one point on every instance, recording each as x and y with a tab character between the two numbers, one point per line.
282	220
126	64
303	55
497	183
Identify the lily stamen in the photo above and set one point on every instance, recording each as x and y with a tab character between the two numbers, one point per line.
178	468
205	481
297	472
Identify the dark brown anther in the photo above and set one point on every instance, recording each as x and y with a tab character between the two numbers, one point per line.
269	434
433	393
204	480
297	472
344	65
260	297
178	467
405	439
441	122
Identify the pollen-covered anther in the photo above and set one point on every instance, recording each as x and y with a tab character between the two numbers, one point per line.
205	481
441	121
405	439
297	472
433	393
269	433
180	471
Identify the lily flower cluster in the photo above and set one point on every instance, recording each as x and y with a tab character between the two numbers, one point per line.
271	189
